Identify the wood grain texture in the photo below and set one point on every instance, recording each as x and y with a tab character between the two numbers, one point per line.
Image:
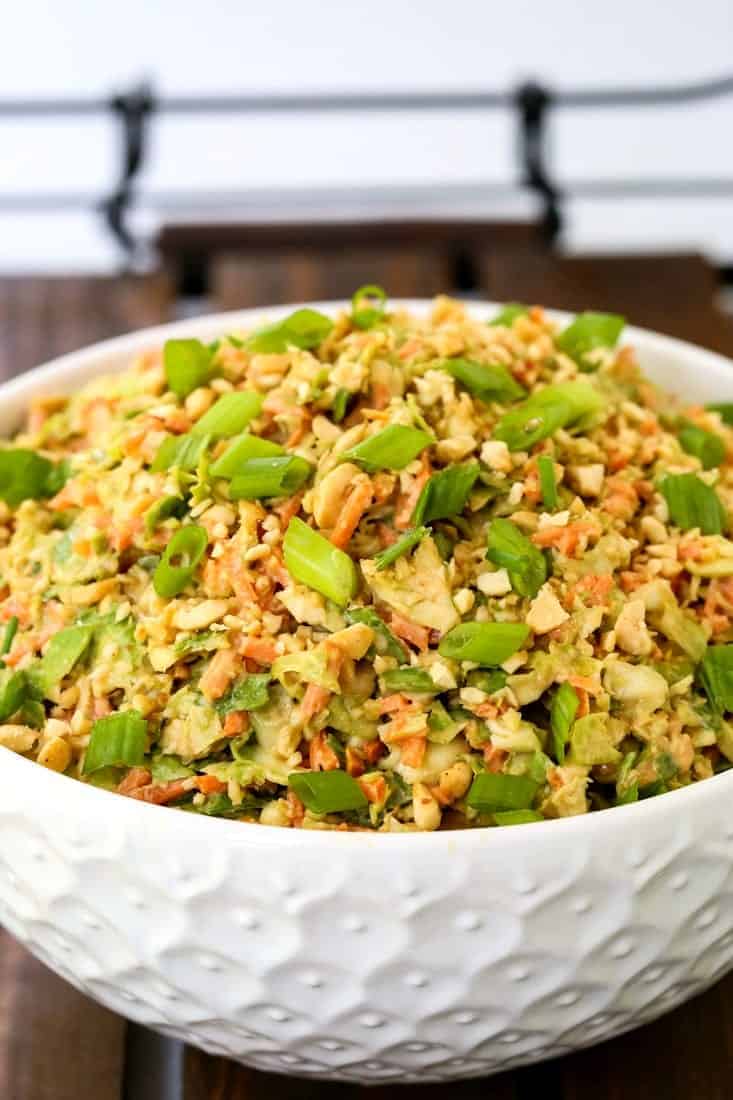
55	1044
674	294
44	317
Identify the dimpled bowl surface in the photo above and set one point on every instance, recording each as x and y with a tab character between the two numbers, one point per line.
370	957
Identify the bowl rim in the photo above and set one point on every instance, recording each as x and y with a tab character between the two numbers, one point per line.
76	366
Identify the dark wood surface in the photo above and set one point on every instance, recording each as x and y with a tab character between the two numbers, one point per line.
56	1044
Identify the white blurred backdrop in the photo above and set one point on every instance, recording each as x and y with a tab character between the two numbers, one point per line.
349	165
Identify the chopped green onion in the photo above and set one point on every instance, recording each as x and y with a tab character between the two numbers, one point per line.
484	643
408	679
385	642
511	550
64	650
229	415
715	673
314	561
8	635
693	503
548	484
491	382
488	680
327	792
164	509
402	546
182	451
188	365
707	446
590	331
508	315
541	415
725	409
391	449
340	405
493	792
306	328
562	715
517	817
25	475
445	494
178	564
249	694
239	451
118	740
279	476
166	768
13	692
367	306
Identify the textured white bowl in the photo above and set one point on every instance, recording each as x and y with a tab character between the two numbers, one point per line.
370	957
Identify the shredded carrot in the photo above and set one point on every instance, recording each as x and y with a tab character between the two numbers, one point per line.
209	784
593	590
494	757
313	702
406	501
321	756
354	762
261	650
380	395
161	793
411	632
357	503
565	539
236	722
389	703
374	787
409	348
135	778
413	751
289	508
372	750
296	809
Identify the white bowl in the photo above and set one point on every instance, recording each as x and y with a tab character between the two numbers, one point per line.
369	957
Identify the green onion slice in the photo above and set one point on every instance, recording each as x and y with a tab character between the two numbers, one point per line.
548	484
493	792
119	740
9	633
715	673
327	792
725	409
164	509
64	650
391	449
239	451
180	559
707	446
306	328
562	715
517	817
511	550
13	692
25	475
314	561
445	494
403	546
182	451
590	331
484	643
279	476
408	679
491	382
229	415
340	405
541	415
508	315
693	503
367	306
188	365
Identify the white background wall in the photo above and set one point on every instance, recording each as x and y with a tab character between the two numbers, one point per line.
82	46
